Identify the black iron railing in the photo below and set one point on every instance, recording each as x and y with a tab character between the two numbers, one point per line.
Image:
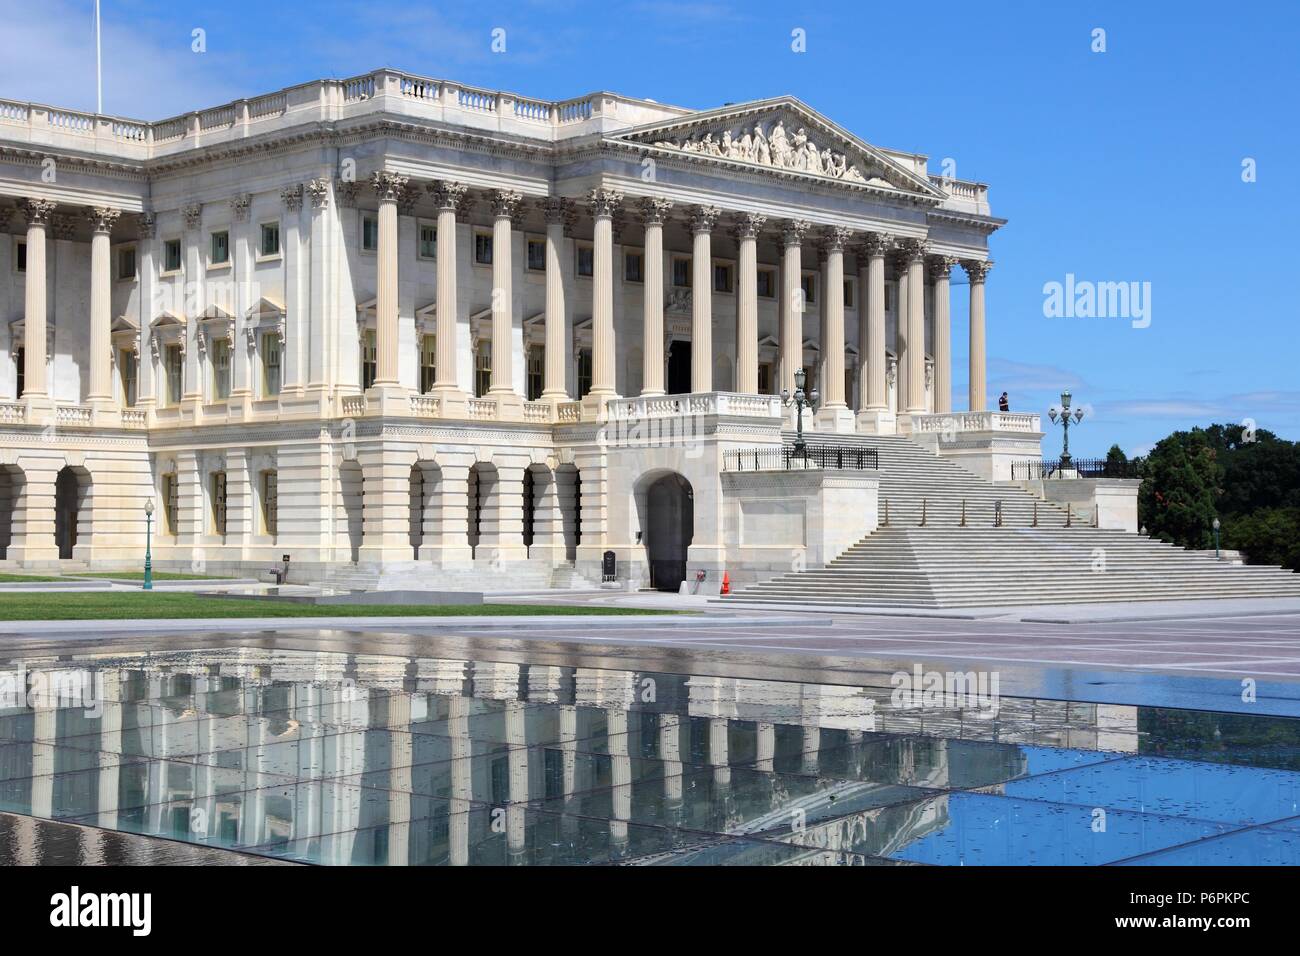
812	456
1037	469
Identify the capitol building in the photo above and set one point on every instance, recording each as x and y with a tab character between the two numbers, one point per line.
405	330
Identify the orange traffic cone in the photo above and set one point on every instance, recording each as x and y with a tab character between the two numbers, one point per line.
726	583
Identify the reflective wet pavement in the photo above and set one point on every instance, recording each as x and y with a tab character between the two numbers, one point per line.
335	757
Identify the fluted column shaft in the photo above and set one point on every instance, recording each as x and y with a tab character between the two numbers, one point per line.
38	212
875	388
652	377
101	303
389	187
448	196
833	387
977	271
916	328
553	388
604	203
702	220
940	271
747	304
505	205
791	302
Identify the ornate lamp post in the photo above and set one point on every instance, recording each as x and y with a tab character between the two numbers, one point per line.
1215	526
799	400
1063	419
148	545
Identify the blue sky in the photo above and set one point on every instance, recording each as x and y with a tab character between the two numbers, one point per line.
1122	166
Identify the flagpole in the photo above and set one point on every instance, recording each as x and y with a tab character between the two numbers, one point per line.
99	74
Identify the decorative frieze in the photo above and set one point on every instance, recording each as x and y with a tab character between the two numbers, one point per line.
768	143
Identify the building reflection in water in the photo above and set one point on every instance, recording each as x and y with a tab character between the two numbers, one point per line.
360	759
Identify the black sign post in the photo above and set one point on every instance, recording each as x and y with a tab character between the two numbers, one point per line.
608	568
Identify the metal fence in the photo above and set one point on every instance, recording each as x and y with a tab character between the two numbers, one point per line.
812	456
1038	469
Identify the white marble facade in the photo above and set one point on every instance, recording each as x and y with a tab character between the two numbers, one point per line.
398	323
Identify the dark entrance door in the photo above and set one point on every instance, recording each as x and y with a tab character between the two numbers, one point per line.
670	525
65	512
679	367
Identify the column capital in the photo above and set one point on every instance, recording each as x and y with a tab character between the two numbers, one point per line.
793	231
345	191
193	214
555	210
448	195
239	207
6	213
749	225
913	250
655	211
834	238
407	199
875	245
64	227
146	225
388	185
291	196
102	218
604	203
39	211
977	269
317	190
940	266
506	204
703	218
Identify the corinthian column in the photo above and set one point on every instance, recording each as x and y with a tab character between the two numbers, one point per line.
977	270
940	270
38	213
915	252
747	230
448	196
604	203
553	389
654	212
505	206
834	414
702	221
101	219
874	416
390	187
792	233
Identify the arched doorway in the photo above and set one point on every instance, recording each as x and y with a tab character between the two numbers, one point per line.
11	492
71	489
669	528
352	495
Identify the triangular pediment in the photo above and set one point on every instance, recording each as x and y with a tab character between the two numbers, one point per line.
784	137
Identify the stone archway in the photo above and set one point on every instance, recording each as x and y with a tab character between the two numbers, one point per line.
352	495
668	527
71	509
12	480
425	516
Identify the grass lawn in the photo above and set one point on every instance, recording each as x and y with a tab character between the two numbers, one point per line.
139	576
28	577
153	605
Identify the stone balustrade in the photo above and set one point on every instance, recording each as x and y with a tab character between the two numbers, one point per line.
702	403
976	422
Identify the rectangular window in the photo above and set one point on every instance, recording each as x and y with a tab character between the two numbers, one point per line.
220	369
428	240
891	296
128	373
682	273
369	234
20	366
483	248
723	277
171	504
586	261
369	358
809	283
767	284
175	368
20	257
584	372
220	248
483	367
270	503
270	244
270	363
536	363
172	255
126	263
765	378
633	263
536	255
428	362
218	502
848	294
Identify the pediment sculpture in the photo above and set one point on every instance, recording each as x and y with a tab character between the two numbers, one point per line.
777	148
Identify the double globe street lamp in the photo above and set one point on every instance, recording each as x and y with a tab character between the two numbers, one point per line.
1063	418
800	401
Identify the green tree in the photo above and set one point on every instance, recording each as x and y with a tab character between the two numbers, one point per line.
1176	501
